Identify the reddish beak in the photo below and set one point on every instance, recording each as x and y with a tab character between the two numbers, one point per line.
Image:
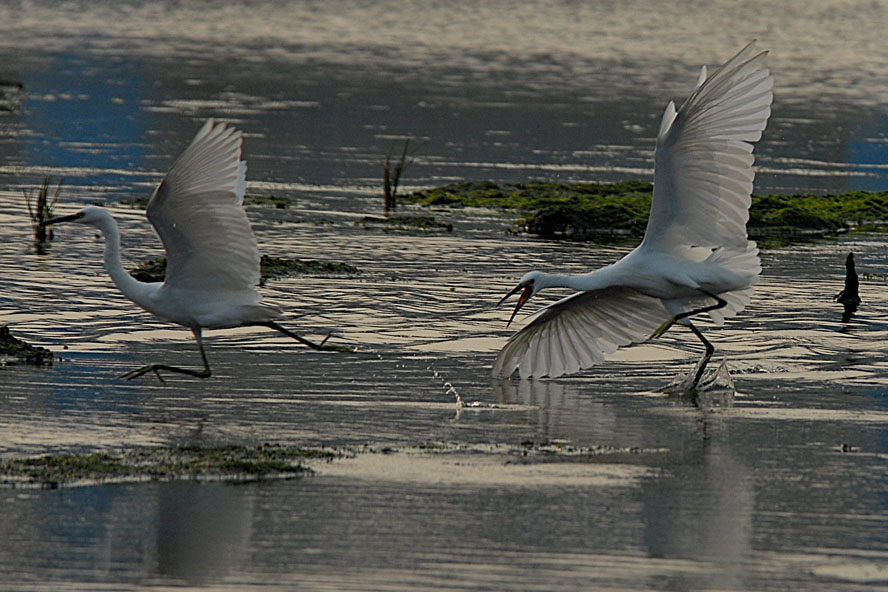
521	299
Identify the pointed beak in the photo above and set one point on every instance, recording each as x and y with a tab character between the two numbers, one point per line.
60	219
521	300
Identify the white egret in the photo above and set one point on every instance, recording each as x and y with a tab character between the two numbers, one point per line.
212	257
695	256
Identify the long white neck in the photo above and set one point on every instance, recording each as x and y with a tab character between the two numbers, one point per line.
132	288
605	277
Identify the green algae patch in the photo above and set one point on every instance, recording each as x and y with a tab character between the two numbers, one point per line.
52	471
555	210
195	463
606	217
152	270
14	350
277	267
831	212
406	223
273	201
137	203
270	268
593	211
11	95
526	196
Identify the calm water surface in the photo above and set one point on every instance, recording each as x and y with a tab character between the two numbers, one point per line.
781	487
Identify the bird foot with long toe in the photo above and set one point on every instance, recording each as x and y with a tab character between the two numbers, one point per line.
323	346
205	373
334	347
139	372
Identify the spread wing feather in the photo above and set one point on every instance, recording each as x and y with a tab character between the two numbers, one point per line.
198	212
703	162
578	331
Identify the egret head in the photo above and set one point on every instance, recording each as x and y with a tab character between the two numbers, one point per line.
530	284
92	215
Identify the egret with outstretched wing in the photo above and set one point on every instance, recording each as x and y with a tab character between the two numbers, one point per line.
212	257
695	256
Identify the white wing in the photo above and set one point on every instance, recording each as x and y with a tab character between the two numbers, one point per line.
703	164
198	212
579	331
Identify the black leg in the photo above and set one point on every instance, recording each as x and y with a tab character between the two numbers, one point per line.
719	303
318	346
707	355
701	365
205	373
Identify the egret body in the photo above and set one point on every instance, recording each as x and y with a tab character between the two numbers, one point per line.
212	257
695	256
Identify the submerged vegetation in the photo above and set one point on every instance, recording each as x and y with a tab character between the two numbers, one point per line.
270	268
391	175
278	202
13	349
522	196
406	223
554	209
40	210
137	203
824	213
277	267
152	270
594	210
266	461
228	463
10	95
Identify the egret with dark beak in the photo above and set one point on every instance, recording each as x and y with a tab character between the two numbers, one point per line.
212	257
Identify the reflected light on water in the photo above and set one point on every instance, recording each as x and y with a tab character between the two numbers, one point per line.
681	498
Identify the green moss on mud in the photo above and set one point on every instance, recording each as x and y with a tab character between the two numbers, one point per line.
527	196
229	463
594	210
270	268
152	270
10	95
137	203
276	267
280	203
13	349
577	210
406	223
828	212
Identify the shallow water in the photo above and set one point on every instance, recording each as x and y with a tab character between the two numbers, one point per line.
783	487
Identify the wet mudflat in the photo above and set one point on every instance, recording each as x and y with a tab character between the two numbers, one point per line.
598	481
